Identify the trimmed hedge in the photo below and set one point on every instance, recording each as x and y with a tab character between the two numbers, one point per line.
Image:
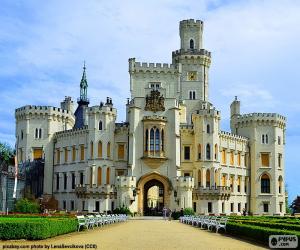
256	233
35	228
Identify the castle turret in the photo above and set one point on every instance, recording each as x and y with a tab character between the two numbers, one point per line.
67	104
191	34
234	113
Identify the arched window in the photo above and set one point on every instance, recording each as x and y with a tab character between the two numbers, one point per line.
36	133
40	133
207	178
157	141
100	155
191	44
152	139
162	141
208	129
99	176
199	151
263	139
92	150
108	150
199	178
280	184
265	184
208	152
100	125
107	175
216	151
146	138
267	141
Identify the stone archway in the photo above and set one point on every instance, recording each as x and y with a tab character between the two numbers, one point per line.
153	177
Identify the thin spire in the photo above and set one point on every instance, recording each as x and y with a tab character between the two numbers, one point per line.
83	85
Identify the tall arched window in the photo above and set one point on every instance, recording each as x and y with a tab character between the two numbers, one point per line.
100	155
92	150
191	44
199	151
152	139
265	184
207	178
267	141
40	133
280	184
99	176
157	141
263	139
107	175
146	138
36	133
199	178
208	152
208	129
108	150
162	140
100	125
216	151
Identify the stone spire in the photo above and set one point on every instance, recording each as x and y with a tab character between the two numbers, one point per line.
83	86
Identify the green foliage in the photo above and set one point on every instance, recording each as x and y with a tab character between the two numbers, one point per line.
295	206
176	215
35	228
257	233
26	206
6	153
122	210
188	211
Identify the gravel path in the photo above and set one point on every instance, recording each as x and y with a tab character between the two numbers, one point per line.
145	234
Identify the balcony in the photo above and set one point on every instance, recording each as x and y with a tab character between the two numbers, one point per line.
85	191
219	192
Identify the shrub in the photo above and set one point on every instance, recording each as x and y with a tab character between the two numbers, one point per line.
123	210
26	206
176	215
35	228
188	211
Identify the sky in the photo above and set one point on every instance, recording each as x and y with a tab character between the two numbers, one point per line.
254	44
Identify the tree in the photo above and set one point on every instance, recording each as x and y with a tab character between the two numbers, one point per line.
295	206
27	206
6	153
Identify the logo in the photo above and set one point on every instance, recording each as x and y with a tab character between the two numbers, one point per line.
283	241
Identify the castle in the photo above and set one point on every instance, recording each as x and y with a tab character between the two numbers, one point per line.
171	140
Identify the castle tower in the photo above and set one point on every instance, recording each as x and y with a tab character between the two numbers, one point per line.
234	113
83	102
67	104
190	32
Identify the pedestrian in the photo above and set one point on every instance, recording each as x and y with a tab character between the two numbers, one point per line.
165	213
170	214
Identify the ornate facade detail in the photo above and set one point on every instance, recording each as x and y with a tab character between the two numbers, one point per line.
155	102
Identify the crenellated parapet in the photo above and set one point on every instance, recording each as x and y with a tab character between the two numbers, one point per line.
144	67
105	109
273	119
125	182
232	137
71	132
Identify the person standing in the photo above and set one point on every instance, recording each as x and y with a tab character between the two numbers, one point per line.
165	213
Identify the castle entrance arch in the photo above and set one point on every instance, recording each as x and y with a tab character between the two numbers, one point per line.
154	192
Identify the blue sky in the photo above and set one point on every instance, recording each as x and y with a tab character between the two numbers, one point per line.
254	44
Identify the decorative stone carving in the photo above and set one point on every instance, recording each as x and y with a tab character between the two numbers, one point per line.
155	102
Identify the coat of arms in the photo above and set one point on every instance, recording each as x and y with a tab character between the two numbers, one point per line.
155	102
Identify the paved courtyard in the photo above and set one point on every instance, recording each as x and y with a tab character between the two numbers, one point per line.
148	234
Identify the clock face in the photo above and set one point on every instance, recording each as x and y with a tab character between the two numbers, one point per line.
192	76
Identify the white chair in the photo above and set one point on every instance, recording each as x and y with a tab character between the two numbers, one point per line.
91	221
82	222
222	224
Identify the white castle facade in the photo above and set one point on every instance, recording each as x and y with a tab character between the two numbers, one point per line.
171	140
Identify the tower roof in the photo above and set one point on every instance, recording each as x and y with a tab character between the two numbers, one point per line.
83	82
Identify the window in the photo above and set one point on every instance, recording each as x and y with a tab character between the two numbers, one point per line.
83	205
154	86
162	140
100	125
265	184
231	207
207	128
82	152
121	152
245	185
99	176
209	207
108	150
97	206
265	159
267	140
239	159
107	175
66	154
239	207
266	207
91	176
280	184
152	139
280	207
194	206
192	95
157	140
37	153
208	152
81	178
223	207
207	178
279	140
191	44
239	184
187	153
199	178
22	135
73	153
231	158
199	151
146	140
216	151
36	133
157	86
263	139
64	205
231	183
40	133
58	156
73	180
65	181
223	180
92	150
100	149
72	205
223	156
57	181
279	160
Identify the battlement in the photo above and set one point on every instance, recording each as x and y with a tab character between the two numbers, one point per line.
152	67
102	109
192	52
227	135
125	181
191	22
260	117
71	132
185	182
